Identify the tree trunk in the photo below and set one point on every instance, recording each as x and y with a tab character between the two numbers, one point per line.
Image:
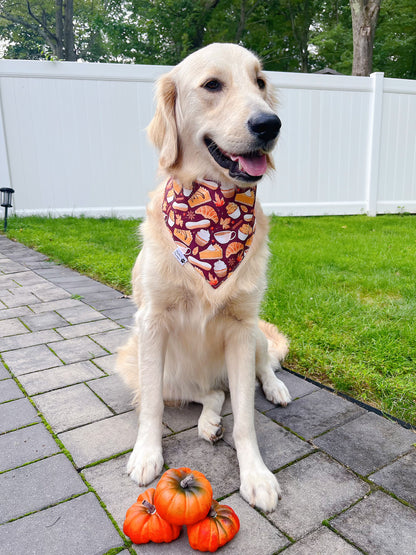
59	31
364	20
69	31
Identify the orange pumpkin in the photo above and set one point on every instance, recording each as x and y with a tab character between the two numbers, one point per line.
143	523
214	531
183	496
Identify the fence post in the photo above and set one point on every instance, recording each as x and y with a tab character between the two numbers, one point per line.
374	140
4	159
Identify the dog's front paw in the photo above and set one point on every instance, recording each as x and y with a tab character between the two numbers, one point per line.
276	392
209	426
261	489
144	465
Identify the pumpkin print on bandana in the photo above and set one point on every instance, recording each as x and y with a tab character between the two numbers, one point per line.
212	226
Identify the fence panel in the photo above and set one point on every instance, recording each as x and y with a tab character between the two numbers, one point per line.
73	141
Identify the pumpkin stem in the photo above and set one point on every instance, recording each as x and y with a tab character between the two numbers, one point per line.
187	481
151	509
212	512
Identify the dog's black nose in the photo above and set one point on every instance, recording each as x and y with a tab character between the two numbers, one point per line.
265	126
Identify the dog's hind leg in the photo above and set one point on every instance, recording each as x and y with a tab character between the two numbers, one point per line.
209	423
266	346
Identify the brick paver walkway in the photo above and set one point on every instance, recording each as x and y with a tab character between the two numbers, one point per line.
67	427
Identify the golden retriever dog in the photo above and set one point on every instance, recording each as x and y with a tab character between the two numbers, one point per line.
201	273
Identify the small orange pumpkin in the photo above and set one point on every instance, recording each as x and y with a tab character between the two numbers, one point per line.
214	531
183	496
143	523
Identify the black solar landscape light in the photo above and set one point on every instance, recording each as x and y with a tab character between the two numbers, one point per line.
6	202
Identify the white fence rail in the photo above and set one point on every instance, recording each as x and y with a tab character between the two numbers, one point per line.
72	141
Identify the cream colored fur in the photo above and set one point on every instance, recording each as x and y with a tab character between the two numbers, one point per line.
190	341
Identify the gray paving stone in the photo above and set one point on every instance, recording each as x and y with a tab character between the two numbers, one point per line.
367	443
9	391
76	350
92	287
80	314
115	487
60	376
399	477
17	414
4	374
88	328
322	542
71	279
379	525
50	292
10	267
316	413
30	359
111	340
120	313
180	418
56	271
106	363
76	526
102	439
107	302
37	486
12	327
28	340
70	407
27	278
218	462
314	489
55	305
6	281
114	393
12	300
125	322
6	313
29	255
298	387
44	321
256	535
278	447
25	445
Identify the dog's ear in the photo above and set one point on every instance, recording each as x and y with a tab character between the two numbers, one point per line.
162	130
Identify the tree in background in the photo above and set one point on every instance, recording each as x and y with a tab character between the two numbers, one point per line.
289	35
60	29
364	14
331	37
47	23
395	39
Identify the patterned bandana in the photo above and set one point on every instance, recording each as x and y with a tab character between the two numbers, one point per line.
212	226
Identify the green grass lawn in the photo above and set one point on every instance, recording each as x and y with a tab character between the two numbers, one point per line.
343	289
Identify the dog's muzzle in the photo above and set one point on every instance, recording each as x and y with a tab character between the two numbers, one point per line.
251	165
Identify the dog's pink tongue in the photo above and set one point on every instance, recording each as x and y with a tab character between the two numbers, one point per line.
256	165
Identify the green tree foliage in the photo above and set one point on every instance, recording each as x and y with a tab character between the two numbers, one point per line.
395	40
289	35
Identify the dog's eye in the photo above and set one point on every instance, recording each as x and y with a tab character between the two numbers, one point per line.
261	83
213	85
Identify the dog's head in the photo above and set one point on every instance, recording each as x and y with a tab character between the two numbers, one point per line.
215	117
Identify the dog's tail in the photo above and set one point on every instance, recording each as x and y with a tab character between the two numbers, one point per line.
277	342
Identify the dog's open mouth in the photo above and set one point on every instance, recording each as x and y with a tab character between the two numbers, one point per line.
250	166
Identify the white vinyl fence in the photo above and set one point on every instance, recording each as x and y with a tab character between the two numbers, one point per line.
73	141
